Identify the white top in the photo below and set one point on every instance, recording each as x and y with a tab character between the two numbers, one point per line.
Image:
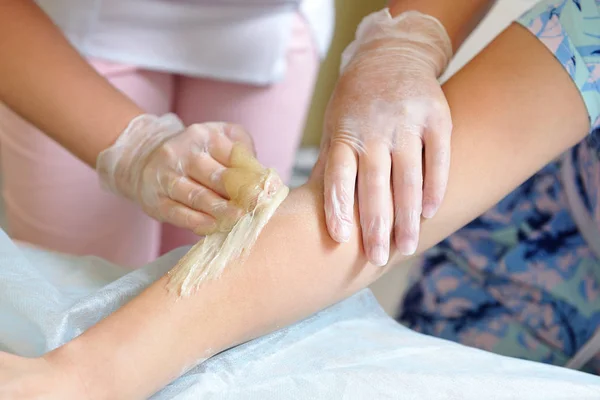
233	40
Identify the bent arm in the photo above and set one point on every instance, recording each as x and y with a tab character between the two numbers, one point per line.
508	123
45	81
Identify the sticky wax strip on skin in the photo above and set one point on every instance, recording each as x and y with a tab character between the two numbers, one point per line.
256	190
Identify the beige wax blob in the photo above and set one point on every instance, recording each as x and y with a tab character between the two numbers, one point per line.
258	191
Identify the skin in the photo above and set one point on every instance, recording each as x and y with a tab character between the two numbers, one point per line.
508	123
50	84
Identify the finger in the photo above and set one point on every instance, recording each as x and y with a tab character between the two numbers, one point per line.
211	138
222	136
199	198
374	200
184	217
340	181
204	169
437	163
238	134
407	183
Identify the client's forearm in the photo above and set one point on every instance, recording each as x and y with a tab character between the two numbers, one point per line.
508	123
151	340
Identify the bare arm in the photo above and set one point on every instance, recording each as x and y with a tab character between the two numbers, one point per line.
458	17
508	123
45	80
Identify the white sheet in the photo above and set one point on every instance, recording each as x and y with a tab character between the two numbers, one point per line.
352	350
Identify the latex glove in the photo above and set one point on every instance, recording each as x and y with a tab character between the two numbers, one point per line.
386	107
173	172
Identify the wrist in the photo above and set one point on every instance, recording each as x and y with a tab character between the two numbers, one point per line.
416	38
120	165
72	366
458	17
402	56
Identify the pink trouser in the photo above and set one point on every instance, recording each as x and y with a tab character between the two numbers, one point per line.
54	201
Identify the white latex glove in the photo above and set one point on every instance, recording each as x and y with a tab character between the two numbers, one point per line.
174	172
387	106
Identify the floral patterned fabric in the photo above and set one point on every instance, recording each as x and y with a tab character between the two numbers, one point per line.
521	280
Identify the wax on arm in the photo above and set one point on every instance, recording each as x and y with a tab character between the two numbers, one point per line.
258	191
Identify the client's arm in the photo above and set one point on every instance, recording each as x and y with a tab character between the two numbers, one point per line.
514	109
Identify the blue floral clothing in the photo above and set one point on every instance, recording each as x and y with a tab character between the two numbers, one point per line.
524	278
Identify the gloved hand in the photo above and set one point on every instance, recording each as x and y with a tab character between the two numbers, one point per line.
174	172
386	107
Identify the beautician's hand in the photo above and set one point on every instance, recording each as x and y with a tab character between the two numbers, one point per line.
174	172
388	106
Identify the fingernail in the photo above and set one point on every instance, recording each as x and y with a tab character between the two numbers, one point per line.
429	210
343	231
408	236
379	255
408	247
378	234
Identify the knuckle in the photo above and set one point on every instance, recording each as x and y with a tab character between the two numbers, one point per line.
376	179
439	105
164	212
441	120
167	151
166	183
199	161
348	139
411	178
341	172
196	197
405	108
200	136
172	185
198	129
